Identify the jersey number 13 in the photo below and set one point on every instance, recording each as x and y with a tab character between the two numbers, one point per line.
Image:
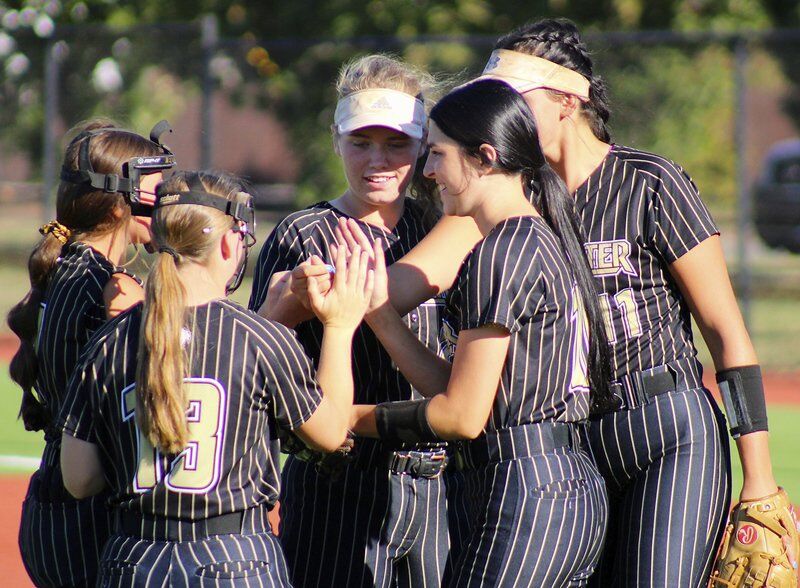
196	469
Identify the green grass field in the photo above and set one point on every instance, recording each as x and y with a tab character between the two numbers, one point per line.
785	439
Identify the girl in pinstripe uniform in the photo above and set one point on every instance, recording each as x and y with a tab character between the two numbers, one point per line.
656	254
76	285
529	346
378	517
176	402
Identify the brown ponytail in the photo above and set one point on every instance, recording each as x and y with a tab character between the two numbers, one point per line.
183	233
80	213
23	320
161	358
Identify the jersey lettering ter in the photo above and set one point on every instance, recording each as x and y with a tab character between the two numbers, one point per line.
311	232
641	212
246	376
519	278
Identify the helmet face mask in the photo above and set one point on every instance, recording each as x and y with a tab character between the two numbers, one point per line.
137	167
242	213
129	181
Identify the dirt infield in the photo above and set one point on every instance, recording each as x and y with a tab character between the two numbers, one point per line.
12	489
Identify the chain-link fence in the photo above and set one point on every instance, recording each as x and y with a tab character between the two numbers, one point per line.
716	103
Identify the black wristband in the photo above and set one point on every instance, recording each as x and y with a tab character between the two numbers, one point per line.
405	421
743	395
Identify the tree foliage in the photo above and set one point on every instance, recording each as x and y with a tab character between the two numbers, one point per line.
284	56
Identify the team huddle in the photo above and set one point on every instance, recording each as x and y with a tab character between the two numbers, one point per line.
479	358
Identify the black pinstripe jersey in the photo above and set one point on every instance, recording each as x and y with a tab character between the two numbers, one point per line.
310	231
246	376
518	277
72	310
641	212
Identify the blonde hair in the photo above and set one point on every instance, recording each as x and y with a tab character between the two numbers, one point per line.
375	71
183	232
370	72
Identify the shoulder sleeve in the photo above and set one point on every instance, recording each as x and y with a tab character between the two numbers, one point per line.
282	251
496	285
124	271
679	219
290	378
77	411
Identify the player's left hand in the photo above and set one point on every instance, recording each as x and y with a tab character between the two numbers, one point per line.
759	546
380	291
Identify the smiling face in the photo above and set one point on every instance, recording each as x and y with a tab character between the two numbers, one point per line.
379	163
452	171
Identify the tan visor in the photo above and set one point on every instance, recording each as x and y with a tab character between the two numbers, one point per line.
525	72
381	108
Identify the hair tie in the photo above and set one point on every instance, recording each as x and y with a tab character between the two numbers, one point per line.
170	251
58	231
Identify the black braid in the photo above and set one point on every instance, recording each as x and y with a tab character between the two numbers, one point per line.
559	41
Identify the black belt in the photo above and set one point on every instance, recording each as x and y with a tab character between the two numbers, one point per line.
427	460
638	388
420	464
136	524
423	461
514	442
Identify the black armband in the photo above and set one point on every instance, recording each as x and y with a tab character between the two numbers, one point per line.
743	395
405	421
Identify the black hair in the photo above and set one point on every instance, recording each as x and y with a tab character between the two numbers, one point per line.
491	112
558	40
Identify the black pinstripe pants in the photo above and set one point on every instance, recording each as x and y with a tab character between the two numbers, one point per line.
252	558
529	521
667	470
370	527
60	538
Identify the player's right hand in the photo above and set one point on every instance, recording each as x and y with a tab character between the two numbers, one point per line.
344	305
312	269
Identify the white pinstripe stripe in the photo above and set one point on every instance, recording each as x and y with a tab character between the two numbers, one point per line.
673	491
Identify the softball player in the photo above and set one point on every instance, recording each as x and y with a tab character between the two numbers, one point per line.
656	254
532	509
376	518
176	402
76	285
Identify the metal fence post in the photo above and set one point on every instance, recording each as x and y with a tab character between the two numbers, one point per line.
210	39
745	208
51	73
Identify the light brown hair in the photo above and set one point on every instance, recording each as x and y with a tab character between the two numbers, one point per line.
189	232
87	213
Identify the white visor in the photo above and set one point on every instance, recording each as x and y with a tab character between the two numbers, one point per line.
526	72
381	108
